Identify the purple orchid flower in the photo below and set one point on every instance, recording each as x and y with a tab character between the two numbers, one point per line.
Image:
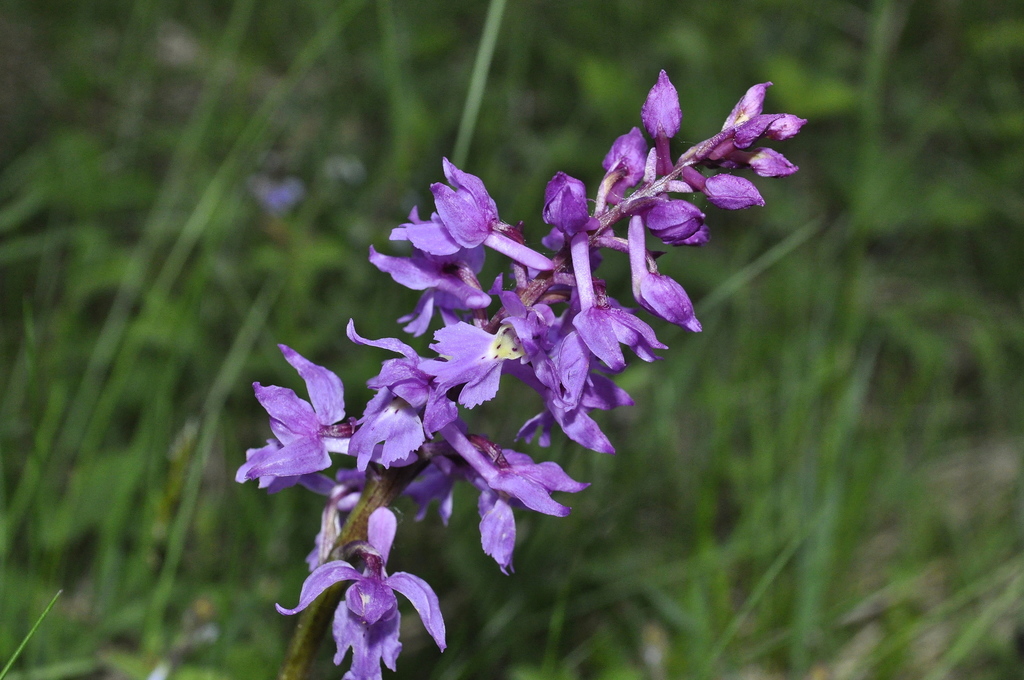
392	417
450	277
603	327
516	474
474	359
675	222
368	621
470	218
625	163
661	116
565	205
308	433
557	330
660	295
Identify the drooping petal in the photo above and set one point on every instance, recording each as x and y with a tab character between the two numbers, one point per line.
497	529
370	644
322	578
424	601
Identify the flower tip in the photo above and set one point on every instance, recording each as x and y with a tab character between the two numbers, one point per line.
661	114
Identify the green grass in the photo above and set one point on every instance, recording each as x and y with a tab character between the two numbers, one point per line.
827	478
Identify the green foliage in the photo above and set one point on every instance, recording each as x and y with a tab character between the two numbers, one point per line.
827	479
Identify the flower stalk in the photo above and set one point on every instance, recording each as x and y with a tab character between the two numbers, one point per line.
556	328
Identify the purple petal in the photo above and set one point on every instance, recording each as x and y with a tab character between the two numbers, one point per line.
497	529
674	221
370	644
322	578
431	237
771	163
548	474
665	298
424	601
732	193
748	106
284	406
599	336
300	457
630	152
325	388
531	494
748	132
584	430
785	126
432	484
381	529
565	203
390	344
418	321
370	599
702	236
472	185
254	457
462	217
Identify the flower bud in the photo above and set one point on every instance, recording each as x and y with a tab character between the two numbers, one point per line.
674	221
565	204
661	113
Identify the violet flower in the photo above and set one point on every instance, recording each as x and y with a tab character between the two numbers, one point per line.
308	433
470	218
675	222
556	329
473	359
661	116
368	621
658	294
602	326
625	163
565	205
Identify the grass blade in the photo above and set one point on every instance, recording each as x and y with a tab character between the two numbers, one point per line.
31	632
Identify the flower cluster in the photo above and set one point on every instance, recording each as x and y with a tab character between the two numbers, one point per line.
551	324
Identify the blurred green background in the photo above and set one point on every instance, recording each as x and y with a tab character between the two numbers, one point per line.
825	483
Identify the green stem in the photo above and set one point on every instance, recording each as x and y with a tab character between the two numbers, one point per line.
381	489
